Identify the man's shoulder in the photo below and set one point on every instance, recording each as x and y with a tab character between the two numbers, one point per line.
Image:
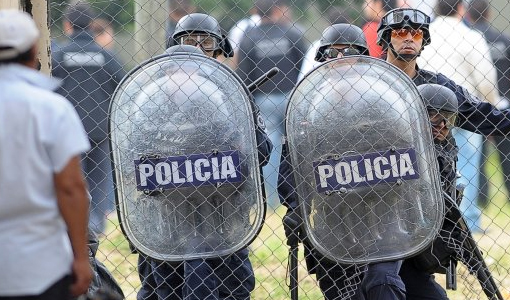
426	76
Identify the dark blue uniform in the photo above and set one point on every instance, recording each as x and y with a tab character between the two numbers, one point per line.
417	272
227	277
336	280
90	76
474	115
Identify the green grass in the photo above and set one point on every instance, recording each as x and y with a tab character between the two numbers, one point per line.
269	254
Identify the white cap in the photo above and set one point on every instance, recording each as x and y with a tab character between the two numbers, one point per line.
18	33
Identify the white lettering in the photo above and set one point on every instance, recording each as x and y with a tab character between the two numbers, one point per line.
378	164
355	172
163	172
325	172
215	168
343	173
146	170
199	173
394	166
189	170
228	169
406	165
78	59
368	169
176	176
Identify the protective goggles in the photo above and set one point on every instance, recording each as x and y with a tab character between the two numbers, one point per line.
438	118
206	42
402	33
334	52
400	16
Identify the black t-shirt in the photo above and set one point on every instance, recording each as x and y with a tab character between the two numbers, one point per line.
90	76
271	45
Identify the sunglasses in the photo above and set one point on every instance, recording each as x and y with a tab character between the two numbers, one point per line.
334	52
206	42
402	33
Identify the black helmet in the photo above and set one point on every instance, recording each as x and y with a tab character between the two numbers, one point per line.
344	34
402	18
440	99
201	23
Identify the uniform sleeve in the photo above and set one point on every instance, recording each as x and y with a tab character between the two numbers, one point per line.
286	184
476	115
68	137
264	144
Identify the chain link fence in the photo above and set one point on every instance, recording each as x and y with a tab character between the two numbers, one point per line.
131	32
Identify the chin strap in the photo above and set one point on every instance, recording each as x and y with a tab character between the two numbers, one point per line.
403	57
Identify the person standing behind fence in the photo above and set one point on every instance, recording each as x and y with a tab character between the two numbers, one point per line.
226	277
177	10
237	32
43	203
90	75
373	10
274	42
336	281
462	54
478	14
103	32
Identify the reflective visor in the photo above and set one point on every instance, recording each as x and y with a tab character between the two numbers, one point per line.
334	52
399	16
438	117
206	42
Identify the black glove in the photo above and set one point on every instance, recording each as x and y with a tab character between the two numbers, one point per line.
294	227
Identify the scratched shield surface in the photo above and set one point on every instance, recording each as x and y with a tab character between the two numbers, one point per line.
365	169
186	165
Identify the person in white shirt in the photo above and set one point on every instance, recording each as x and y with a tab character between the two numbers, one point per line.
43	199
462	54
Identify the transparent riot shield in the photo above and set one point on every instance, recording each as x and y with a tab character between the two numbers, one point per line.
188	182
363	157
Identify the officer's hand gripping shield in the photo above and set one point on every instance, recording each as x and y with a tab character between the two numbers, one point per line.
188	182
363	157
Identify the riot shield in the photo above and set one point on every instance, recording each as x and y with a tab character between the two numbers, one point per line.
188	181
363	158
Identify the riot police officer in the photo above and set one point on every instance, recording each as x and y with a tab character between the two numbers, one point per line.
339	40
416	272
202	31
154	287
335	280
213	278
414	276
403	33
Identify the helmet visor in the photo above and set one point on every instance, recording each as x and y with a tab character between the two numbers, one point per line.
437	117
206	42
400	16
335	52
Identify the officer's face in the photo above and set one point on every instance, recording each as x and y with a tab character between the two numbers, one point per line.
407	40
439	126
339	51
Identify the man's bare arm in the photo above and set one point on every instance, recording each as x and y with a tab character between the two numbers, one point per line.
73	203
